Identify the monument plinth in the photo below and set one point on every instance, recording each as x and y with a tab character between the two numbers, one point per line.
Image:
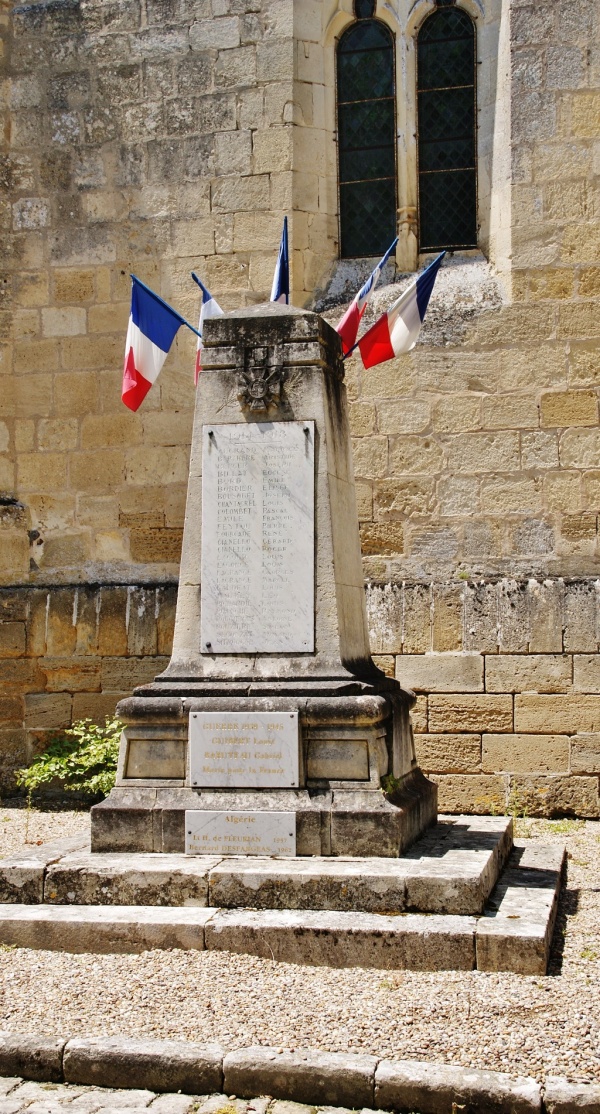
271	727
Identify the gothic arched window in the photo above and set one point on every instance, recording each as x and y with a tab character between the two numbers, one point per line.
366	116
446	131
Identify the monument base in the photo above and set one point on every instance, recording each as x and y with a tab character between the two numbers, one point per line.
328	822
351	737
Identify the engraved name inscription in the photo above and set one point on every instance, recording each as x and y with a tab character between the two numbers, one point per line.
257	750
240	833
257	592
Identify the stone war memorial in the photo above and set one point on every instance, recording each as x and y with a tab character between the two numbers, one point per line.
271	729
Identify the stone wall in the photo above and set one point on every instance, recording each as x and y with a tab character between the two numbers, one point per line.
507	677
72	653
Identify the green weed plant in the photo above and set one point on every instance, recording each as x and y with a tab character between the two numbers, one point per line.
82	760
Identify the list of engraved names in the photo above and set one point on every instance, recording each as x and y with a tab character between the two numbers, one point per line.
244	749
257	591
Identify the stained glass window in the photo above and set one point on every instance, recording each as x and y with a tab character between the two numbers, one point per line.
366	137
447	125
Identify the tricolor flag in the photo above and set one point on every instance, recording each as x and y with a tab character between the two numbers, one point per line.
152	327
208	308
280	291
349	325
397	330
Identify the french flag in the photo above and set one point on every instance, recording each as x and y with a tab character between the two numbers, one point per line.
397	330
280	291
150	333
209	307
349	325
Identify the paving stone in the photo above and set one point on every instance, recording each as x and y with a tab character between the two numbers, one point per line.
304	1077
282	1107
173	1104
439	1088
562	1097
161	1065
516	930
8	1084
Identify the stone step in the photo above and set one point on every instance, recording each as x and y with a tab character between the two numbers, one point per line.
514	934
318	938
451	870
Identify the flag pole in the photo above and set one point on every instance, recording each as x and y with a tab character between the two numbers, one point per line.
200	284
158	298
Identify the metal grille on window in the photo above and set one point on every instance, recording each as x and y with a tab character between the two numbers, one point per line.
367	138
447	123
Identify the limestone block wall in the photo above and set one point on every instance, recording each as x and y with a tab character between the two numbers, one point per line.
507	676
149	137
72	653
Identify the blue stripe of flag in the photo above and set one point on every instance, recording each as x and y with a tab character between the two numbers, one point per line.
153	317
425	284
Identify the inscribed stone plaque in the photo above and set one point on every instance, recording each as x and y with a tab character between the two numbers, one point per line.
240	833
257	592
255	750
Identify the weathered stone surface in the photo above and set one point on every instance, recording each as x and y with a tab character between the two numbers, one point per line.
586	673
557	795
567	714
516	930
481	793
449	753
94	928
562	1097
525	753
32	1057
441	672
470	713
452	869
152	1064
585	754
136	879
338	939
307	1076
528	673
437	1088
22	873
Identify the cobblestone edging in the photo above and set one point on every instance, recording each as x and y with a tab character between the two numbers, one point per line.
312	1077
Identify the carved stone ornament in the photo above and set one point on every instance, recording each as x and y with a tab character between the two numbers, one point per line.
261	380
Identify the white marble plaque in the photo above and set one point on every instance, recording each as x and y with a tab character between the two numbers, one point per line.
257	591
246	750
240	833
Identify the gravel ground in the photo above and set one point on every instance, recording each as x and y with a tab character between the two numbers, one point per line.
505	1022
18	827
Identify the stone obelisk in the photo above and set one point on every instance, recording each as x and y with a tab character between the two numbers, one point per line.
271	729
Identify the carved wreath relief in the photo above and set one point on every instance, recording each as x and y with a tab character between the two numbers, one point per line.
260	382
